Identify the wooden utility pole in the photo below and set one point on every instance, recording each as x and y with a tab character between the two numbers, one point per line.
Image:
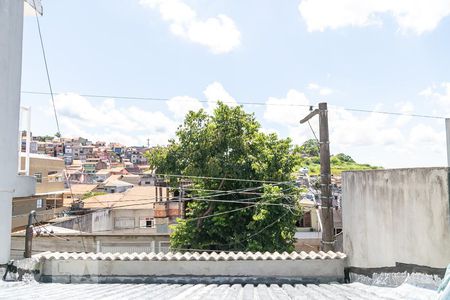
325	177
447	127
29	235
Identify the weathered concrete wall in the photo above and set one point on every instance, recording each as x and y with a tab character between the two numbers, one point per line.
72	271
74	243
11	32
394	216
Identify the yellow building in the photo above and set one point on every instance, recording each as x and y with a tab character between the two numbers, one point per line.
47	200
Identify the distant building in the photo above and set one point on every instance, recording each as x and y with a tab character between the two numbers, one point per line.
47	200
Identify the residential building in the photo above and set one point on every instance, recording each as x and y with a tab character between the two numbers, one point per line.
116	186
47	200
102	175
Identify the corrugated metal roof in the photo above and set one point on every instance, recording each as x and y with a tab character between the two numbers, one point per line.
50	291
188	256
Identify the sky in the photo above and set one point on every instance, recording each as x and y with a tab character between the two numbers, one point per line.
375	55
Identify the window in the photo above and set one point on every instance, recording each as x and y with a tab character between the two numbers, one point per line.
145	222
39	203
38	177
54	176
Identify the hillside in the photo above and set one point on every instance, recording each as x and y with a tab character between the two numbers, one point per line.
339	163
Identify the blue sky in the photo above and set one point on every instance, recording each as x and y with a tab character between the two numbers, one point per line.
374	55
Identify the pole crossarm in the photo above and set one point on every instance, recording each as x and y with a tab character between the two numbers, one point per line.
311	114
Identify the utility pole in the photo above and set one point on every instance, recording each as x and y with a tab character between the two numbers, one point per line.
325	177
29	235
447	126
148	143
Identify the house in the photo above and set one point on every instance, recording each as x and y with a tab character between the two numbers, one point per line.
102	175
127	222
76	191
309	226
131	178
141	209
117	186
89	167
118	170
47	199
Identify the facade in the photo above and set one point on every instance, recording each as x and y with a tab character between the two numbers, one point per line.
47	200
397	216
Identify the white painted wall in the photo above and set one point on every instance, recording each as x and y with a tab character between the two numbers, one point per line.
394	216
11	31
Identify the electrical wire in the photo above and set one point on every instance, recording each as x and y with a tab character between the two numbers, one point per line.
246	103
314	133
46	67
220	178
53	100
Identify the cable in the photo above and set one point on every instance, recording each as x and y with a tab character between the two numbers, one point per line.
219	214
53	100
226	179
46	67
315	136
244	103
392	113
164	99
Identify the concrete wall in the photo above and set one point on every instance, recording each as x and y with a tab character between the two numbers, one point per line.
92	243
394	216
11	32
25	186
42	215
310	270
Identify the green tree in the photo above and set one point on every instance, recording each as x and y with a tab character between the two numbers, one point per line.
229	144
344	158
310	148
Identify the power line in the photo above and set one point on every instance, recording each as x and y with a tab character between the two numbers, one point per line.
244	103
164	99
46	67
223	178
53	100
392	113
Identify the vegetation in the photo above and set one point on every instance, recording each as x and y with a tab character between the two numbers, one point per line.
92	194
246	214
339	163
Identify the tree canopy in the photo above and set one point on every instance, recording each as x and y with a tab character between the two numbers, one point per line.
255	213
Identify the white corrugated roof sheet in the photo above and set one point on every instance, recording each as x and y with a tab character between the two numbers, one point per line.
188	256
53	291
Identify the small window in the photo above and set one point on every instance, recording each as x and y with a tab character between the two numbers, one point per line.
146	223
38	177
39	203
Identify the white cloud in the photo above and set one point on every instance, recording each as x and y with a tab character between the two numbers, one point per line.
181	105
288	110
323	91
372	137
219	33
440	95
216	92
416	16
425	134
131	125
404	108
104	121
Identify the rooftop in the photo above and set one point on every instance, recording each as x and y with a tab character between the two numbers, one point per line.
138	197
50	291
